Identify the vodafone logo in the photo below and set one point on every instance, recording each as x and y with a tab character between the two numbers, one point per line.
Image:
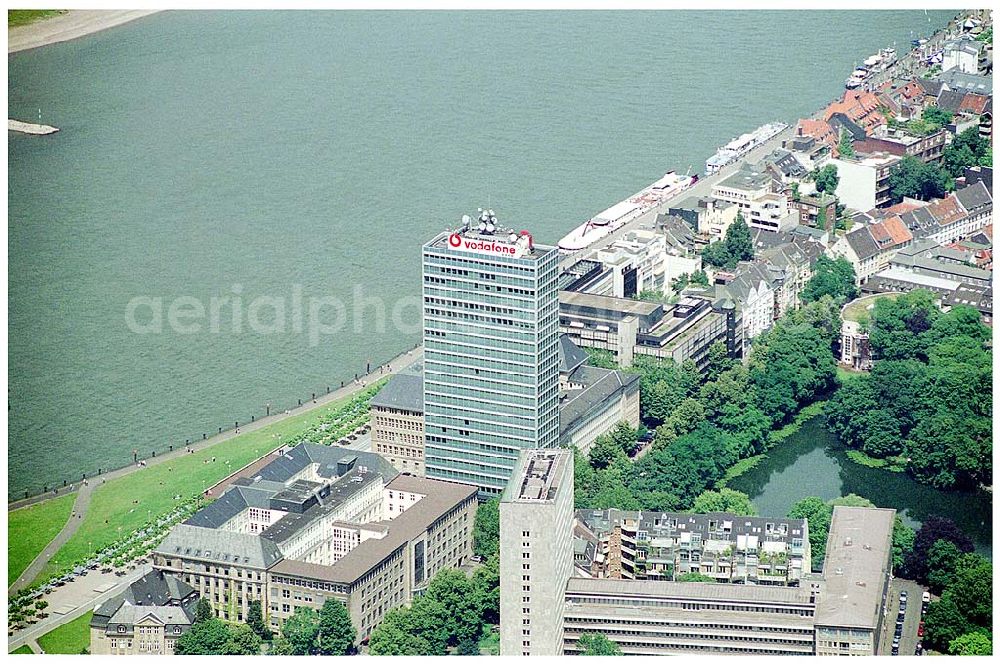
455	240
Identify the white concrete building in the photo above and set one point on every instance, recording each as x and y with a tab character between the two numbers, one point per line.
864	182
536	547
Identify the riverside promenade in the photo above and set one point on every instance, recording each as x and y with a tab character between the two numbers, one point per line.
71	25
84	490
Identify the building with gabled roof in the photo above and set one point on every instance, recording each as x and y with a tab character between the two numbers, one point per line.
146	619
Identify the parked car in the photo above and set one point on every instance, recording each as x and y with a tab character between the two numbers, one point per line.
647	436
927	597
920	629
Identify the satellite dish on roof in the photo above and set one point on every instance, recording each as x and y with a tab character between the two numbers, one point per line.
466	220
482	226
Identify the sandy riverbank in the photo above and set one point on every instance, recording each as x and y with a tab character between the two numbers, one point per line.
71	25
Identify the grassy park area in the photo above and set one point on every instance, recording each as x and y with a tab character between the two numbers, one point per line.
125	504
17	17
24	649
31	528
70	638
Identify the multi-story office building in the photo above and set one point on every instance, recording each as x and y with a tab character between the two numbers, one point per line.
663	545
647	617
319	522
850	610
491	352
535	552
398	420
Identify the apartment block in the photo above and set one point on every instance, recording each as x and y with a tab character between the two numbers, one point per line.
654	545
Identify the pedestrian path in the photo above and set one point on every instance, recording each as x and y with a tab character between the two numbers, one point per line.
69	529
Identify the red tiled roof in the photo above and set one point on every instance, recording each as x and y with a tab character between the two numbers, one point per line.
973	103
817	129
947	210
902	207
860	106
890	232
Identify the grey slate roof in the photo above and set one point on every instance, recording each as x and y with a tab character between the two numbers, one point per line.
155	589
921	222
930	86
784	161
404	391
958	80
308	453
975	197
224	547
570	356
950	100
599	385
862	243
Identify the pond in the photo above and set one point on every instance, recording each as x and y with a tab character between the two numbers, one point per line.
811	462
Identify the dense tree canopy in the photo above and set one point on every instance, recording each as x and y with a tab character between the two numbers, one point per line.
301	630
975	644
737	246
209	636
826	179
831	277
969	148
965	606
918	180
726	500
336	633
486	529
255	620
929	400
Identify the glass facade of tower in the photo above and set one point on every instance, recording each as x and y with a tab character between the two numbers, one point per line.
491	356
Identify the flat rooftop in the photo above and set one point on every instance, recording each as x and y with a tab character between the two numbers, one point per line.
773	594
857	562
535	478
608	303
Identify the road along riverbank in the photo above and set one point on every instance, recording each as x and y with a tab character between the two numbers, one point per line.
71	25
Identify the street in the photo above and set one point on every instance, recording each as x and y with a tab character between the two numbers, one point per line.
911	620
70	601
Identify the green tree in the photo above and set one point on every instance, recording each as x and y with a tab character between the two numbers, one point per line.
970	645
846	145
280	647
832	277
210	636
203	610
719	361
937	116
597	645
454	591
942	561
395	635
826	179
242	641
724	501
255	620
818	514
600	358
967	149
933	530
918	180
486	529
739	243
301	630
336	633
694	577
486	590
973	589
603	452
944	622
467	647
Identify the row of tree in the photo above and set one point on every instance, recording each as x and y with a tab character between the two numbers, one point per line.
928	401
450	616
306	632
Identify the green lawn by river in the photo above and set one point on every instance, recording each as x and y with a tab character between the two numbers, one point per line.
31	528
70	638
124	504
16	17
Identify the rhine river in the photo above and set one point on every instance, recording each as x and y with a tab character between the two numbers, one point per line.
234	156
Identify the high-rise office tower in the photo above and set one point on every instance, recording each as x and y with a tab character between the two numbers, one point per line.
536	553
491	351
